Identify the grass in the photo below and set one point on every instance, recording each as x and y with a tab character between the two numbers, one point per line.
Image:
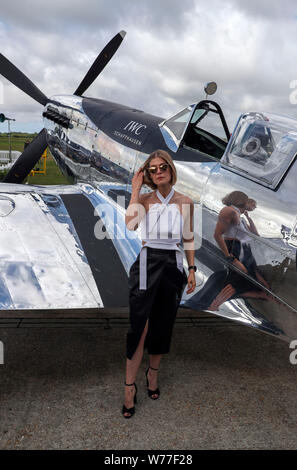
17	140
53	173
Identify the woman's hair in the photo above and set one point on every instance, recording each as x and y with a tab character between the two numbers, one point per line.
252	201
167	158
236	198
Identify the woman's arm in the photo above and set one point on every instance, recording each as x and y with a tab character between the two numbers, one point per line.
225	218
251	226
188	242
135	210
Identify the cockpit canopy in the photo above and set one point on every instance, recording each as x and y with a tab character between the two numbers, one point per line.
201	127
262	145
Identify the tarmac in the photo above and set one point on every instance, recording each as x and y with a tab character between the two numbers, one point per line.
223	386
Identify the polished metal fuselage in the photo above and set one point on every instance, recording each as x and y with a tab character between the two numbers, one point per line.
103	167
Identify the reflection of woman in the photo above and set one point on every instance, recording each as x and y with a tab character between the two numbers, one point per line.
232	237
227	232
251	227
156	278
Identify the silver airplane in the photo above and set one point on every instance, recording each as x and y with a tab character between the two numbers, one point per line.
65	249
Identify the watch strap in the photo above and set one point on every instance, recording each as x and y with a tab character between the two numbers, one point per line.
192	267
230	258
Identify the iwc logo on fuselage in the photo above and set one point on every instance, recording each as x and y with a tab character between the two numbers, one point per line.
133	127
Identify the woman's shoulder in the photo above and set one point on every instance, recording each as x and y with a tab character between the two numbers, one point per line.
182	198
228	211
143	197
147	199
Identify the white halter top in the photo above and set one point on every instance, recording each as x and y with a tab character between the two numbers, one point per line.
239	230
162	227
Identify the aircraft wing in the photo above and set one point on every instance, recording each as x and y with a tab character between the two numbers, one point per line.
54	252
65	252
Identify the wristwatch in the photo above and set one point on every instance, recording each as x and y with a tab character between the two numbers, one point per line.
230	258
192	267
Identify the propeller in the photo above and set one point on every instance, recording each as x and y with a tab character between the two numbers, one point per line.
26	162
15	76
102	60
30	156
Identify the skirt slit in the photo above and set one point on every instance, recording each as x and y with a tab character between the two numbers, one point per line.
156	305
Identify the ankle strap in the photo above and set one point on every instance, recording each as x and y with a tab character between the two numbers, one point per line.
129	385
153	368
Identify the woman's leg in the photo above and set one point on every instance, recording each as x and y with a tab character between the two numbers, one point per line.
152	374
222	297
132	366
261	279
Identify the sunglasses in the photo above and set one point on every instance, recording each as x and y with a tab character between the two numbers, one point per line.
153	169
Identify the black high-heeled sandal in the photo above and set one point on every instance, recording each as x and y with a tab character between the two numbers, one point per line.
131	411
152	392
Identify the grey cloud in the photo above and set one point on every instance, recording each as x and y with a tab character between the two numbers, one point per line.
98	15
171	49
272	10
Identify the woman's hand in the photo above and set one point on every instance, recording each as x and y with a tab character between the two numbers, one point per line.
191	281
137	180
247	215
239	265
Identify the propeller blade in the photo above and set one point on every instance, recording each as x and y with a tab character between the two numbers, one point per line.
101	61
15	76
27	160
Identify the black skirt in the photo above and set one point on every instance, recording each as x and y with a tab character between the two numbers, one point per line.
158	303
240	283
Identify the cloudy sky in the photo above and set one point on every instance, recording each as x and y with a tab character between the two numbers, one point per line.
172	48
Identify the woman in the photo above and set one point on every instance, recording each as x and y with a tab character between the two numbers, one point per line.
156	278
232	236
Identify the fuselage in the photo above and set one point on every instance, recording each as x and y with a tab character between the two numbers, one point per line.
103	143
